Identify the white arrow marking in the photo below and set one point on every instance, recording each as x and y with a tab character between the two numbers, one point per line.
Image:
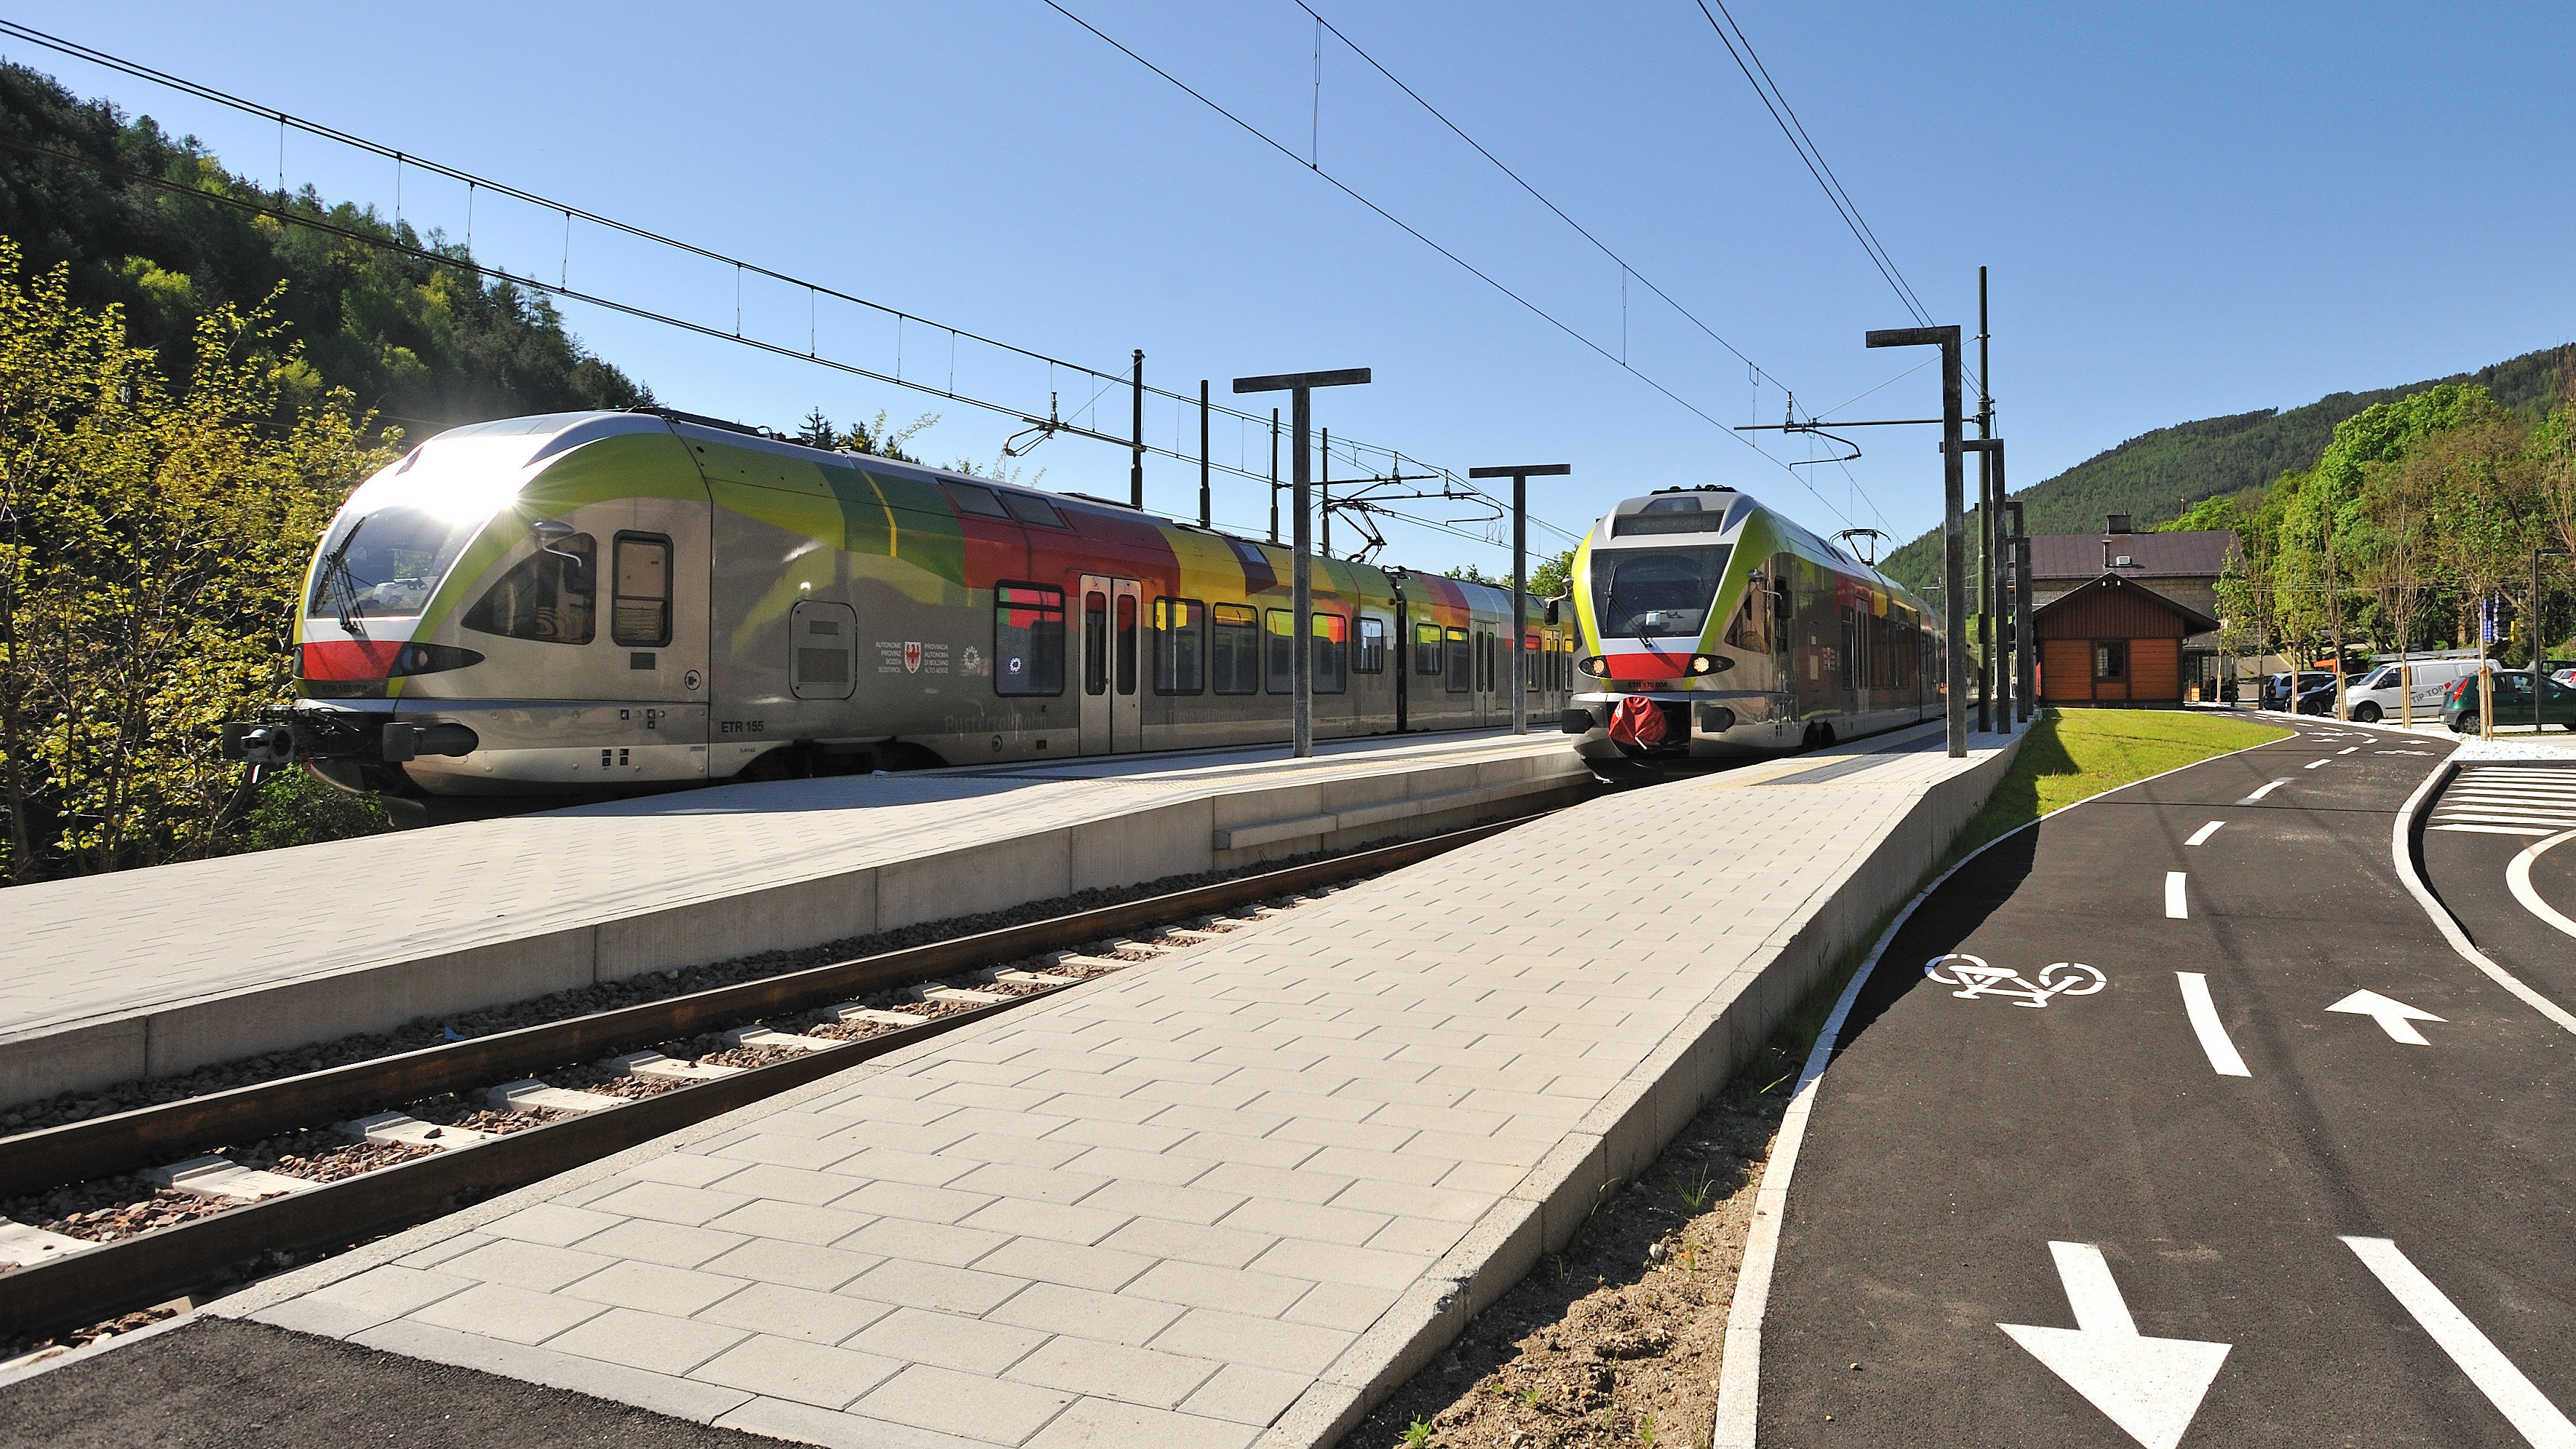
2393	1016
2259	794
2475	1353
2175	906
2150	1387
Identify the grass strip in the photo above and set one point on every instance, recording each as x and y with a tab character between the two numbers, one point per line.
2073	755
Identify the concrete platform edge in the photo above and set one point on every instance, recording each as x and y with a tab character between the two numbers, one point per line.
1631	1127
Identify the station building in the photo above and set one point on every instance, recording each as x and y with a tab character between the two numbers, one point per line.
2115	641
2179	570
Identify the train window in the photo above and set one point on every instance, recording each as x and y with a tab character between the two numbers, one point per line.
639	614
1332	654
1372	657
1280	653
1237	652
1461	673
974	498
1028	639
1126	643
1095	643
1029	509
1659	592
1750	629
1530	656
545	596
1180	645
1426	649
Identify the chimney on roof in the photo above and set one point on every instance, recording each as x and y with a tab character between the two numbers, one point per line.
2115	526
2119	523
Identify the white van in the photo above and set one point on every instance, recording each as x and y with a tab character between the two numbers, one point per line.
2377	695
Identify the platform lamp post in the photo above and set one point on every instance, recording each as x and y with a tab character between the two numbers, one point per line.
1992	679
1954	569
1300	386
2539	633
1520	474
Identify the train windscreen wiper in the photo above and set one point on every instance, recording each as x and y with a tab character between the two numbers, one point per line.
343	584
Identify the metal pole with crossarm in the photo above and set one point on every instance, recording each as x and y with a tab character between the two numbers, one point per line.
1954	591
1298	386
1520	474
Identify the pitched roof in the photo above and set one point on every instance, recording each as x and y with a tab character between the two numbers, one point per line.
2119	579
2201	554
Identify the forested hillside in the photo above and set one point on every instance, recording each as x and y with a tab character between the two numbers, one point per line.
422	345
2155	476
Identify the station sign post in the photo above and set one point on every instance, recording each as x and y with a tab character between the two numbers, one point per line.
1300	386
1520	474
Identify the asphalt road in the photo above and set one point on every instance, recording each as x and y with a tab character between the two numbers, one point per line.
2485	819
2159	1212
221	1384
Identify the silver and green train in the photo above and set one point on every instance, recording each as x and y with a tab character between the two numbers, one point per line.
584	606
1746	633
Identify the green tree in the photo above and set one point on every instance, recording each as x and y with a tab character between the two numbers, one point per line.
153	540
423	340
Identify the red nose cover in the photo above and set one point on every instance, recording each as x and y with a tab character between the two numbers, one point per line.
1637	721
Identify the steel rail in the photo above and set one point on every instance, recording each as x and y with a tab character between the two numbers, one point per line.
156	1266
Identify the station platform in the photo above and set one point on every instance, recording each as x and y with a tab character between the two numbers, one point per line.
1228	1197
145	973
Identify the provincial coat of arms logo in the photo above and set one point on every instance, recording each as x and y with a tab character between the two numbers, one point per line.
912	657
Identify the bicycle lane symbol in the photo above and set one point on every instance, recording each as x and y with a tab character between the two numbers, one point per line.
1976	978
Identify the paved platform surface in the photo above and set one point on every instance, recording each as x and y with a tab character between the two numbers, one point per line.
2286	1171
150	972
1229	1196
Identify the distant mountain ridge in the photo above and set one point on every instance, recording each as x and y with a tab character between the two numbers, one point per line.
2154	476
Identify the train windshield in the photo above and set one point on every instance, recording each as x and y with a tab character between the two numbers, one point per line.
1658	592
384	563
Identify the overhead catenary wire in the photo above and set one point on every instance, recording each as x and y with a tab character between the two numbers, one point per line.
1469	267
475	183
1768	92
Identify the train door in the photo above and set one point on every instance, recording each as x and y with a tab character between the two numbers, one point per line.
649	645
1402	663
1111	624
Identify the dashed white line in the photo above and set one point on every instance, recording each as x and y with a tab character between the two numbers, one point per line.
2204	832
2312	764
2176	908
2347	749
2259	794
2206	1025
2504	1385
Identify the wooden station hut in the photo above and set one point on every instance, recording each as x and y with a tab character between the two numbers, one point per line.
2113	641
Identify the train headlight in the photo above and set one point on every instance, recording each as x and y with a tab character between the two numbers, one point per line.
430	659
1594	665
1710	664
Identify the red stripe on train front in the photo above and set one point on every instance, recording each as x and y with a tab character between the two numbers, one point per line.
351	658
1646	666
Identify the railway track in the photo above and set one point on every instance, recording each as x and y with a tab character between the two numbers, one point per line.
92	1284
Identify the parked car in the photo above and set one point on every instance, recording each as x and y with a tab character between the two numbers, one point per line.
2276	687
2512	702
2377	695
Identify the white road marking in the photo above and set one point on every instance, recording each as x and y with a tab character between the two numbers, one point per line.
2150	1387
2204	832
2504	813
2518	876
2498	829
2504	1385
1739	1381
2394	1017
2348	749
2206	1025
2312	764
2176	908
2401	854
2259	794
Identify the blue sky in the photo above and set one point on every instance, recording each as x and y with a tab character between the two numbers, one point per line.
2188	210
